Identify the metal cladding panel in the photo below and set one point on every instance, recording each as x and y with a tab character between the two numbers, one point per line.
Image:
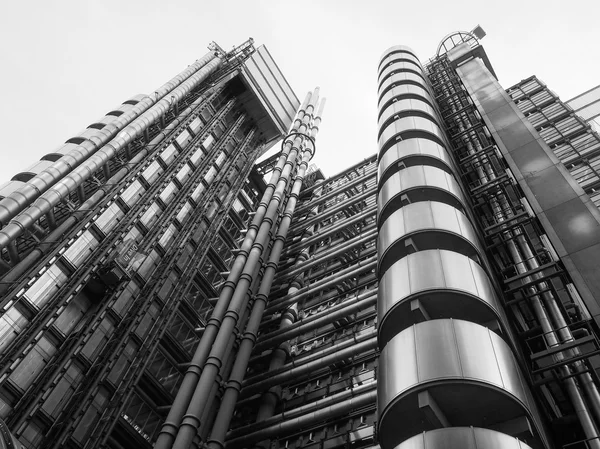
396	56
404	90
400	78
404	124
447	285
463	438
570	219
421	177
412	148
399	66
430	225
396	49
462	367
271	88
405	106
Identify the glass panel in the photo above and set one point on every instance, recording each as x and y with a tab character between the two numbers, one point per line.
151	215
168	237
169	192
132	193
184	212
46	285
152	173
80	249
183	139
168	154
184	173
197	156
109	218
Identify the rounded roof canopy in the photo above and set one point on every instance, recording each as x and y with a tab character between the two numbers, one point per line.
456	38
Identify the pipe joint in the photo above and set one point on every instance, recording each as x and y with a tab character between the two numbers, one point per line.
246	277
214	361
233	314
214	321
280	238
271	264
228	284
250	336
261	297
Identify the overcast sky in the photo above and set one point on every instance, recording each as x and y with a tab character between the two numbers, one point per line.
66	63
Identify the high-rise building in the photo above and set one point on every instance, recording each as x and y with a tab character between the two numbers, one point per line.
162	288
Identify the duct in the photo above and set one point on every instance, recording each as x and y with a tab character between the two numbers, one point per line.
22	198
338	175
577	400
330	230
279	355
198	402
339	311
286	427
355	242
485	174
211	332
354	390
326	358
351	201
360	267
562	327
69	183
298	361
321	199
37	253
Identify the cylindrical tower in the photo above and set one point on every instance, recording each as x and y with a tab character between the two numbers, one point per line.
445	355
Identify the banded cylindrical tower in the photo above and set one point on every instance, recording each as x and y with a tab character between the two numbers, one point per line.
445	362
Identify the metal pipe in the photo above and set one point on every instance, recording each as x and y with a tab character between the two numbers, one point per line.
67	184
356	304
57	234
563	330
301	225
355	242
286	427
279	355
184	395
330	230
539	310
353	390
291	371
190	422
18	200
350	272
321	199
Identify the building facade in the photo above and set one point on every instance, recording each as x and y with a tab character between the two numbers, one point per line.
163	289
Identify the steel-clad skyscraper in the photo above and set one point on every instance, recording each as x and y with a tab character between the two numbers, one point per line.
162	288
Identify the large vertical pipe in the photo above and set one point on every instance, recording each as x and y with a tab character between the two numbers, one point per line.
191	422
499	206
180	404
273	395
22	197
234	385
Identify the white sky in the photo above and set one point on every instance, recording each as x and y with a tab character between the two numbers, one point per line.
66	63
